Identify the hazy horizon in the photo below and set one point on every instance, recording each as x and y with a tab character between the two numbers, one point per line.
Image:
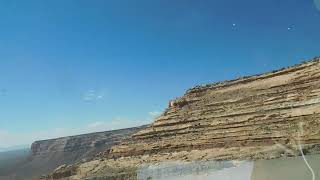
75	67
14	148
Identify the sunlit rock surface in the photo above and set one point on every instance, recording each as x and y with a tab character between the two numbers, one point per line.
256	111
265	116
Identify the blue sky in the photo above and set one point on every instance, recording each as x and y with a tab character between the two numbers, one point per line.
77	66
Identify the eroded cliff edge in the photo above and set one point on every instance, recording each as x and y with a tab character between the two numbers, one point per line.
47	155
258	117
260	110
86	145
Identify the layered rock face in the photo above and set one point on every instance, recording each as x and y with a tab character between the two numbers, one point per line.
88	145
265	116
257	111
47	155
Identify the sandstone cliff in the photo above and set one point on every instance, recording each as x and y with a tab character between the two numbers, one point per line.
86	145
258	117
255	111
47	155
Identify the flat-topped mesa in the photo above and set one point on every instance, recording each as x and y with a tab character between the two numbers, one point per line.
262	116
84	144
256	111
250	78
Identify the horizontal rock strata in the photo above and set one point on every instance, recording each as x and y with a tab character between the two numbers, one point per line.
87	144
261	110
47	155
259	117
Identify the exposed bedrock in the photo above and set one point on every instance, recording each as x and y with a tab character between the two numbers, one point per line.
264	116
88	145
47	155
279	107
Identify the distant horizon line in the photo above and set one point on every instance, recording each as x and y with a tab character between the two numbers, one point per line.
15	147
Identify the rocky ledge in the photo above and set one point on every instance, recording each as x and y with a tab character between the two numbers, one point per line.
47	155
264	116
86	145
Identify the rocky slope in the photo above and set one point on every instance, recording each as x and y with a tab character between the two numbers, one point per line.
47	155
258	117
88	145
255	111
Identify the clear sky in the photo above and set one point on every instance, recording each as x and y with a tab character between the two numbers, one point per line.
76	66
